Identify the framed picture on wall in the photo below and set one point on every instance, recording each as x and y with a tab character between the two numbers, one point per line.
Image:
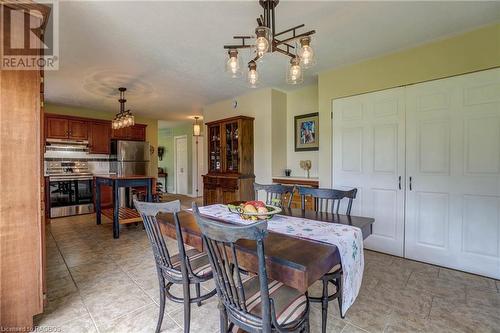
307	132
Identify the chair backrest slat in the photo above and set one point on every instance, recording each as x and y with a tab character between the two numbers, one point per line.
275	193
219	239
327	200
148	212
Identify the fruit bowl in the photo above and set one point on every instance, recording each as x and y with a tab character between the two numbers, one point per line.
254	210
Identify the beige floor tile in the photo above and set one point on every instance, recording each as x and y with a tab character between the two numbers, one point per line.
80	325
368	314
353	329
468	280
406	322
436	286
463	318
404	299
62	310
60	288
393	274
416	267
334	323
203	319
107	303
141	320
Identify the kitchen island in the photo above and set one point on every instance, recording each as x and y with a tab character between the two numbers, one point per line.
121	215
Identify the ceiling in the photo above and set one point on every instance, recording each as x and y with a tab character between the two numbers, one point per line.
169	54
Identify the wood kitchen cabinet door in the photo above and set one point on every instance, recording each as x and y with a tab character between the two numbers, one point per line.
57	128
99	137
138	132
78	129
121	133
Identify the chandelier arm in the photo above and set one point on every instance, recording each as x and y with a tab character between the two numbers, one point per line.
284	41
236	47
288	30
291	55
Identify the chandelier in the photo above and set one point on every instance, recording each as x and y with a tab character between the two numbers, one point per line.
122	118
288	42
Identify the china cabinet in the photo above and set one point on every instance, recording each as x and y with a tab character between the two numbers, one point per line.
230	174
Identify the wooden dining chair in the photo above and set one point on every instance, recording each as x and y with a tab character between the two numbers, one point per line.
328	200
187	267
276	194
252	303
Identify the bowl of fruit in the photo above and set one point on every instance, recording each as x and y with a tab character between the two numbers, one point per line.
253	210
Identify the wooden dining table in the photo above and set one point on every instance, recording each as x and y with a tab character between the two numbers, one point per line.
297	262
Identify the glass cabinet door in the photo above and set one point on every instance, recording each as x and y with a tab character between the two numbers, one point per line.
232	153
214	149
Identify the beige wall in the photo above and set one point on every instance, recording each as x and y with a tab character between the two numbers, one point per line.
301	101
151	129
472	51
268	107
278	132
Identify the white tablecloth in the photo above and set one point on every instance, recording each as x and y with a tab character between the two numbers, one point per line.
348	240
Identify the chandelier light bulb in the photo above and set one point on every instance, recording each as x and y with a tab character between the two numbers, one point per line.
262	40
306	53
294	74
233	64
253	75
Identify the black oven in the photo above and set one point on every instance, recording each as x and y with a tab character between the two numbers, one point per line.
70	196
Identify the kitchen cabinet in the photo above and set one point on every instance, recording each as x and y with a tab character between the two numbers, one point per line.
138	132
230	161
78	130
56	128
60	127
97	132
99	137
135	133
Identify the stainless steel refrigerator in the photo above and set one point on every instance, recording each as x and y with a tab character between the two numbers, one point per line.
130	158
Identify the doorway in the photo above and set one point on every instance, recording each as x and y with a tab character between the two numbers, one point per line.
181	164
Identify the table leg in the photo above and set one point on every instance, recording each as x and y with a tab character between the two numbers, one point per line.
116	211
98	202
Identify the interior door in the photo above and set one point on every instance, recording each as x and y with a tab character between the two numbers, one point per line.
368	154
181	165
453	159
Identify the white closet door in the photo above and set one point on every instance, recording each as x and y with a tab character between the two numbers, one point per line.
453	158
368	153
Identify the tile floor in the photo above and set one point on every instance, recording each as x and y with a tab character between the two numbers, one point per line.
99	284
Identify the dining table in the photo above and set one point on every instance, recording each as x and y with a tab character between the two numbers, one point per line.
294	261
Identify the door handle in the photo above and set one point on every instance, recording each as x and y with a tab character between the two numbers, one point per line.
410	183
399	182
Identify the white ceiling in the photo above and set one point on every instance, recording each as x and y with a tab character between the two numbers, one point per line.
169	54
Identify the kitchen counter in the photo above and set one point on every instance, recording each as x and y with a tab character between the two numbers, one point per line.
120	215
115	177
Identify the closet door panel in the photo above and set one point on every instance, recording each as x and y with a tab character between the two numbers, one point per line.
368	153
453	157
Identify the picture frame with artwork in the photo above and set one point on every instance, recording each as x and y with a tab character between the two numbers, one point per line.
307	132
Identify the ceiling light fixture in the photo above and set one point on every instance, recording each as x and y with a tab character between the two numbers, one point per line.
196	127
123	118
266	41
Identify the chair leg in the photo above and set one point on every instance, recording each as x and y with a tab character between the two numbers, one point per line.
339	299
187	307
223	318
162	306
197	286
324	306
